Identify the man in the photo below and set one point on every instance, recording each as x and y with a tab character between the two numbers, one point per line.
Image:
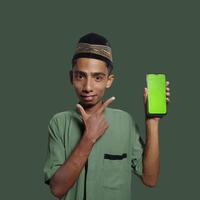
93	150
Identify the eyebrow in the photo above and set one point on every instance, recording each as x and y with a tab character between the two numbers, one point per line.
92	73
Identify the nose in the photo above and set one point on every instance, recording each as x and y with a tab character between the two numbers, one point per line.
87	85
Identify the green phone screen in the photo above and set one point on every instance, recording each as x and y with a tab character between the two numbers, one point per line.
156	85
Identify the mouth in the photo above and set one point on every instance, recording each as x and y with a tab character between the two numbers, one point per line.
88	97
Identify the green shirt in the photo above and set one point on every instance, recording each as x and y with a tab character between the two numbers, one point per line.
115	157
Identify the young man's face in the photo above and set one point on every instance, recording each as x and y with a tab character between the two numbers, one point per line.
90	78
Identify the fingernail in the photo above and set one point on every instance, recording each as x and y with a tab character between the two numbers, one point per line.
113	98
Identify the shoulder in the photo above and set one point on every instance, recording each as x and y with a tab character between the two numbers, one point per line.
62	117
60	121
118	113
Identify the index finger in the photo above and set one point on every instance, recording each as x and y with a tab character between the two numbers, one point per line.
106	103
81	111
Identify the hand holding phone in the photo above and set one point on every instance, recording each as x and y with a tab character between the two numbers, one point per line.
156	100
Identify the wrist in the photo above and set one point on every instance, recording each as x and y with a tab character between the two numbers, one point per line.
88	138
154	120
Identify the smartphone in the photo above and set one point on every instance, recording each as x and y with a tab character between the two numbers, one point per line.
156	101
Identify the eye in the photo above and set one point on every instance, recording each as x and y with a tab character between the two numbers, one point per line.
79	76
99	78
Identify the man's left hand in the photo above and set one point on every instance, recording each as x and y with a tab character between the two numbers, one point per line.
146	96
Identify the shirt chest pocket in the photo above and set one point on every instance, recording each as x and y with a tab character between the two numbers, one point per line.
116	171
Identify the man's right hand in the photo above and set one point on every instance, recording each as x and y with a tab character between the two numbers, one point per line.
95	126
95	123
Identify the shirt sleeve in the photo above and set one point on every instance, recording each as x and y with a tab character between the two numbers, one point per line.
55	151
137	149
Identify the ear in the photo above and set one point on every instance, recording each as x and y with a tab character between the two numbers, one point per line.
110	80
71	76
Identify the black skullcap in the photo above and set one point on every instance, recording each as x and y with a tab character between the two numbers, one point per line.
93	45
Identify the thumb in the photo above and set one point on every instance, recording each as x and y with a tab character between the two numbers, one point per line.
81	111
145	94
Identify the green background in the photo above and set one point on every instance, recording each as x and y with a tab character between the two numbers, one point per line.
38	39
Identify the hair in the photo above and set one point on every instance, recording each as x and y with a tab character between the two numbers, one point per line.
93	38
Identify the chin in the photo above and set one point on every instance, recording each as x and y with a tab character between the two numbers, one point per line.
89	104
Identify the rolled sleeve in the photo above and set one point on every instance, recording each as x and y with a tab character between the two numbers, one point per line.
55	150
137	149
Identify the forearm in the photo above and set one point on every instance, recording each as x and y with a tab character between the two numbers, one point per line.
151	161
68	173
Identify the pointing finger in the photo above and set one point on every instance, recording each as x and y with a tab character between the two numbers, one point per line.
106	103
81	111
